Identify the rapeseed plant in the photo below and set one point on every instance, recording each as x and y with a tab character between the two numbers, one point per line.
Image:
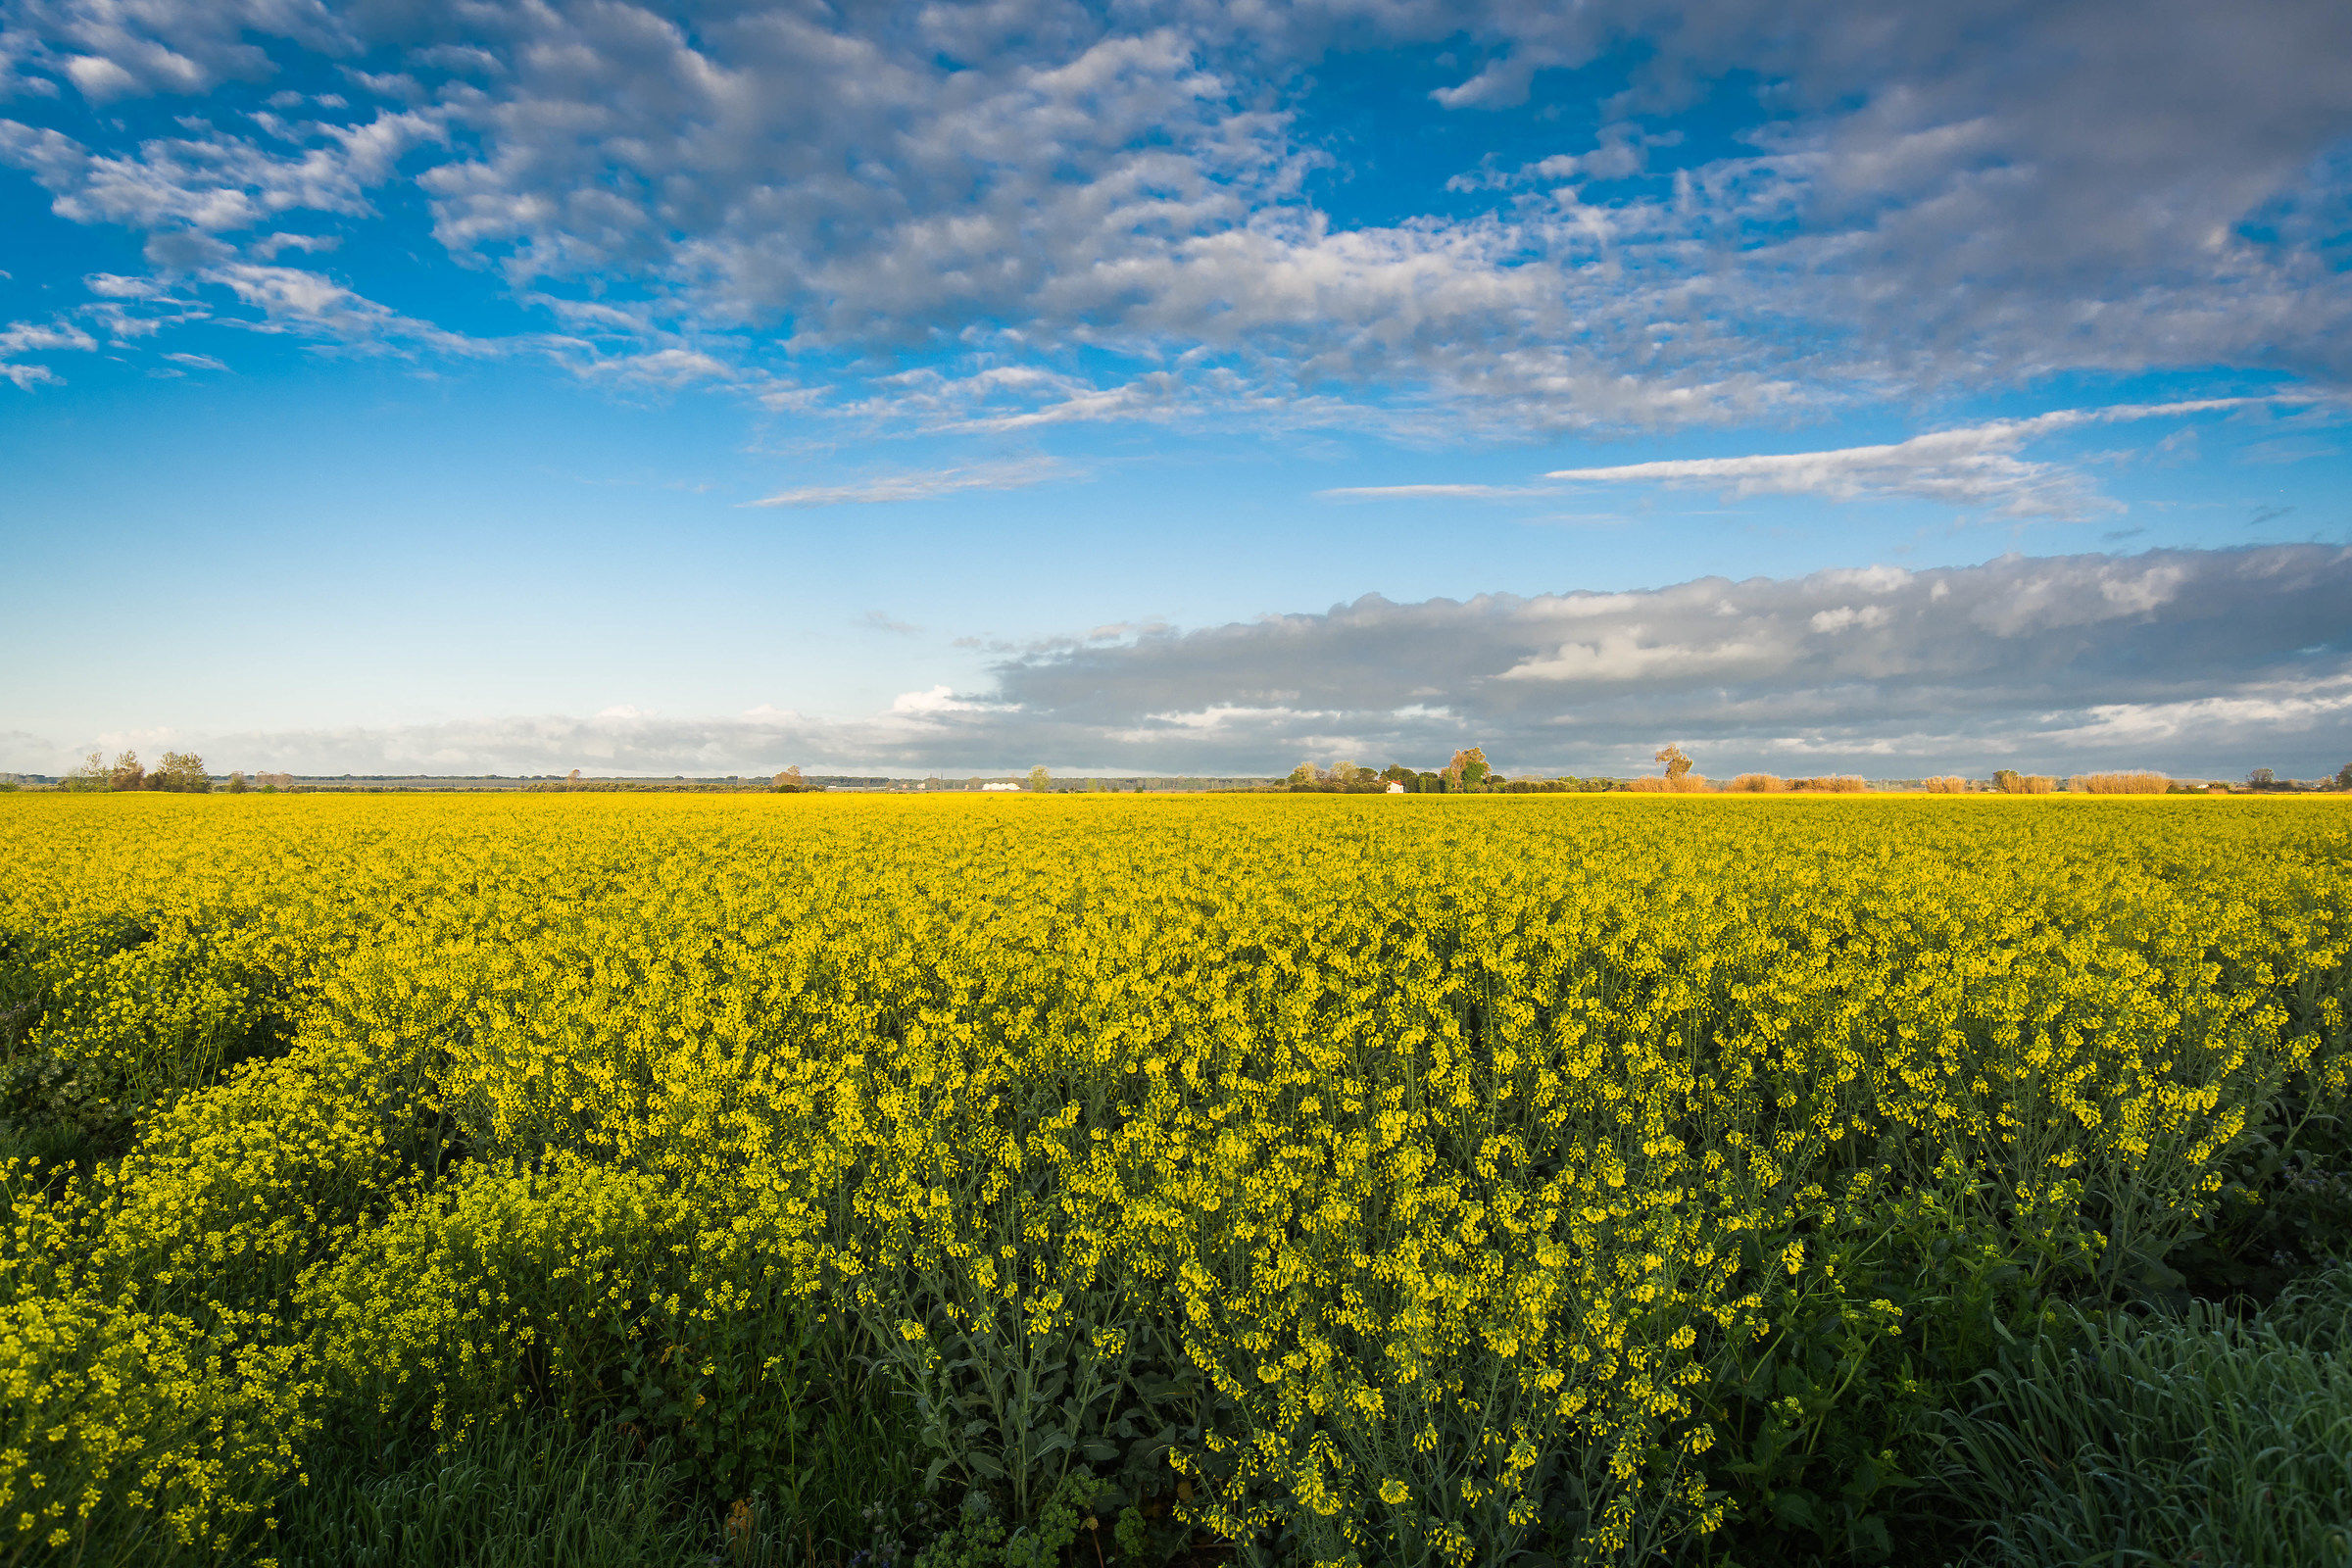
1397	1181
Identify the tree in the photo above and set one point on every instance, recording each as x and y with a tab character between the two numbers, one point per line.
91	776
2343	777
1306	775
790	778
2262	778
1468	769
1431	784
1677	761
127	774
572	777
237	781
1039	779
182	772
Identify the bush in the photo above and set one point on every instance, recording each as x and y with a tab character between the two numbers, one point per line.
1652	784
2011	782
1948	784
2141	783
1757	784
1832	784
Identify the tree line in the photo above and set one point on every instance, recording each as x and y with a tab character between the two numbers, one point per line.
178	773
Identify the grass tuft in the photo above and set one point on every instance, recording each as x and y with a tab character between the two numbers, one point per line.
2195	1437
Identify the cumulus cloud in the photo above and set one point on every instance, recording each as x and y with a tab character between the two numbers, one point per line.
2202	663
217	182
1910	201
1951	667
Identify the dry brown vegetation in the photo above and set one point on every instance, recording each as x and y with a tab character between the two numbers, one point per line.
1948	784
1758	783
1679	784
2120	783
1832	784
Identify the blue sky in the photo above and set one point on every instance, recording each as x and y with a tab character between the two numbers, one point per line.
415	386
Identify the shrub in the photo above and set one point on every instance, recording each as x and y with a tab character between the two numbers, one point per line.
2011	782
1757	784
2139	783
1652	784
1948	784
1832	784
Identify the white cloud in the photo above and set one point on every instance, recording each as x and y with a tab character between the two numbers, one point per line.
1421	492
922	486
291	299
1909	206
32	338
1975	466
219	183
1620	658
1868	616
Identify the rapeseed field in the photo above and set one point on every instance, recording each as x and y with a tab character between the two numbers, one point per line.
1341	1178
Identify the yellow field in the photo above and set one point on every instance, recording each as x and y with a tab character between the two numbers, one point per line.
1404	1178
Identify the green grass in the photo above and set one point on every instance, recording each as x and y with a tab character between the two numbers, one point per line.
2194	1438
520	1497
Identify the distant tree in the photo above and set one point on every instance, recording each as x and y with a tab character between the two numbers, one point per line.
2262	778
91	776
2343	777
1677	762
1095	786
1468	769
127	774
182	772
790	778
1039	779
572	777
1431	783
237	781
1306	775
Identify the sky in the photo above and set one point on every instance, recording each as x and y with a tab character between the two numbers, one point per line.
422	386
